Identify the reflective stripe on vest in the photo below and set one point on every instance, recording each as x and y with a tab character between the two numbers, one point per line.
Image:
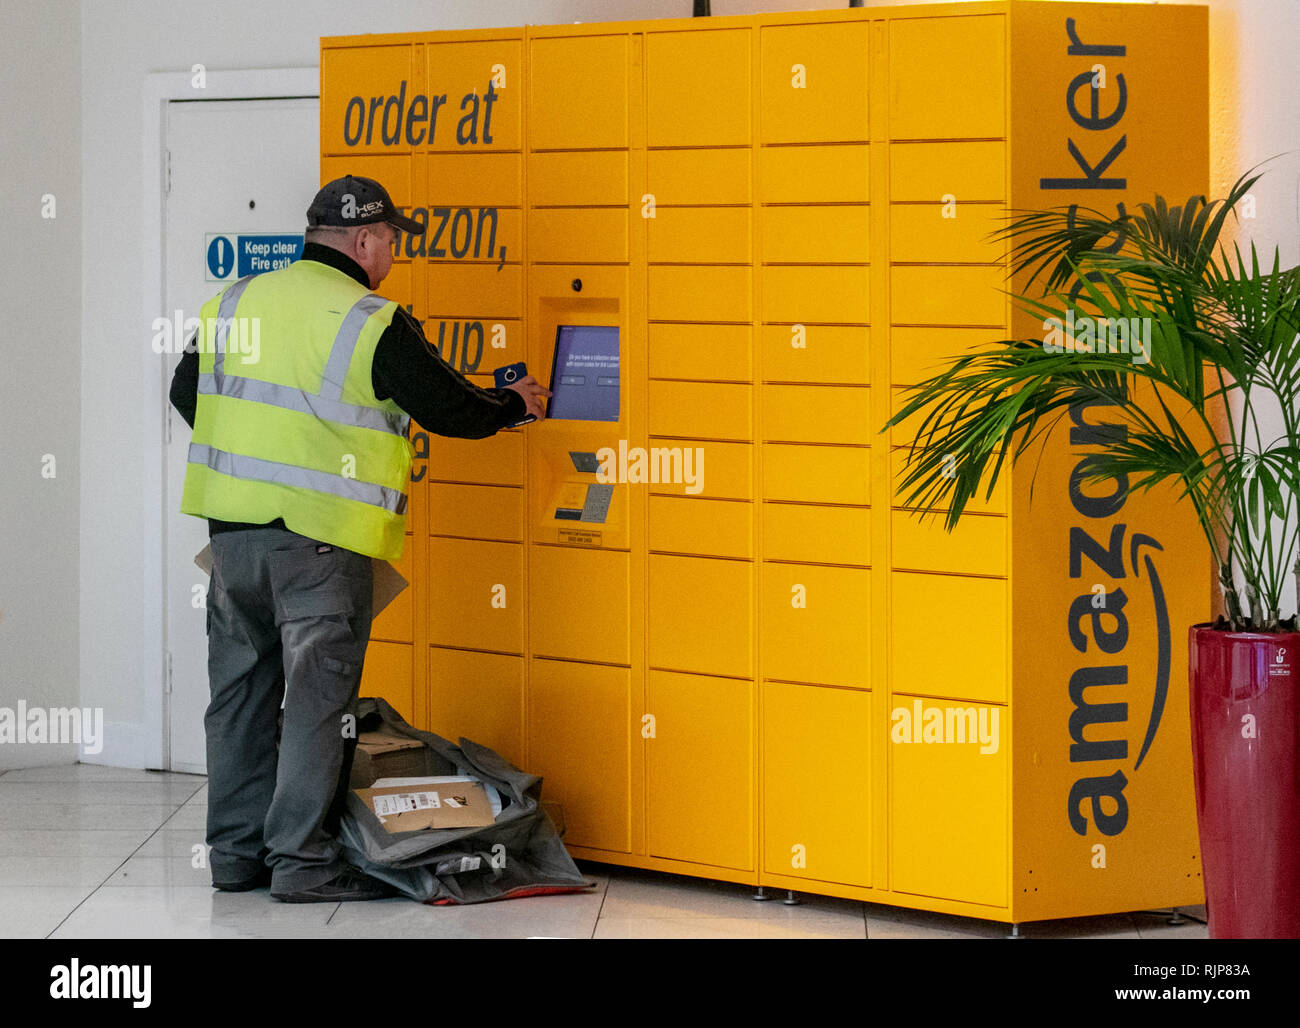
288	398
345	343
258	470
325	404
225	316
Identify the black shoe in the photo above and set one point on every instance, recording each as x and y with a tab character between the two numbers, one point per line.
348	884
262	878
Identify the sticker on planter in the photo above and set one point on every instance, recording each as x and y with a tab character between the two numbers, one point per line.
1281	665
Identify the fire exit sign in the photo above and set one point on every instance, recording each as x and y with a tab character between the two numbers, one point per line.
229	255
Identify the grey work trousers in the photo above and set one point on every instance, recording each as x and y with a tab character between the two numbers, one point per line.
288	618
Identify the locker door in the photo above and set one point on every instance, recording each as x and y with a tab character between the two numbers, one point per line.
579	606
813	81
479	603
978	668
701	614
494	179
700	769
356	85
579	720
947	77
697	87
578	91
816	790
467	73
946	798
948	295
479	696
816	624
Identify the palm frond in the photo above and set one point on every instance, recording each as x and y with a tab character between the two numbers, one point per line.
1219	331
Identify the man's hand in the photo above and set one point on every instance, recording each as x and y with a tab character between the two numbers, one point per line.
533	393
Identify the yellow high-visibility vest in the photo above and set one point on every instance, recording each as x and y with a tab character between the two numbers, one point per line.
287	424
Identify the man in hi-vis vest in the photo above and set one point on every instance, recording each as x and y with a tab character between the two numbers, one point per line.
299	385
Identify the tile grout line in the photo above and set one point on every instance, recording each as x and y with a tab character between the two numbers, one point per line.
96	889
601	909
124	862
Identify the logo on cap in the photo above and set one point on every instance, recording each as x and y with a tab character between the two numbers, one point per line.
354	200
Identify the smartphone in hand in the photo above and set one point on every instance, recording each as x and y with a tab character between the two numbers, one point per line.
508	376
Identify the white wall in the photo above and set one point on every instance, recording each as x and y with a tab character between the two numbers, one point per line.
1255	116
1254	96
40	387
1255	113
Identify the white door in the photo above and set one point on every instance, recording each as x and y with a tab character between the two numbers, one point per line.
237	167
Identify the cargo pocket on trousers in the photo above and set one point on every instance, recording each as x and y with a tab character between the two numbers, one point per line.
309	584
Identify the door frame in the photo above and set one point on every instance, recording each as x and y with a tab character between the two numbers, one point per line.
160	89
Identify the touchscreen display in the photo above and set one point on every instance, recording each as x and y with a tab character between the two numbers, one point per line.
584	380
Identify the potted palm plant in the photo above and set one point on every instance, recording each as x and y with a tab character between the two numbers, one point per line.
1223	351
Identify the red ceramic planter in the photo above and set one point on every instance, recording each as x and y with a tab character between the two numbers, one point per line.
1245	707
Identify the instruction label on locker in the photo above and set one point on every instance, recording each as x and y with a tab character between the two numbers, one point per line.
579	537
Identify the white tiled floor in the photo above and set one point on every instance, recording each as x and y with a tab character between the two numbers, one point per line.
95	852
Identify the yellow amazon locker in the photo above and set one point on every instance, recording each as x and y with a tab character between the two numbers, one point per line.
774	224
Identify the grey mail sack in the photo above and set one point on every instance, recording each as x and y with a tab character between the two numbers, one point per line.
519	855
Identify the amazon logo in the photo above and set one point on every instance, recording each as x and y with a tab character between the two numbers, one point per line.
1099	627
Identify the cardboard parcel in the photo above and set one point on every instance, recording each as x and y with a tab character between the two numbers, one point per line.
440	801
385	755
448	823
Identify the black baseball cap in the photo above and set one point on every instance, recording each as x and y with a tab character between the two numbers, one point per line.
353	200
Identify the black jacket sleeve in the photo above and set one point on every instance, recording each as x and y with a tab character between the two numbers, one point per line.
411	372
185	383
